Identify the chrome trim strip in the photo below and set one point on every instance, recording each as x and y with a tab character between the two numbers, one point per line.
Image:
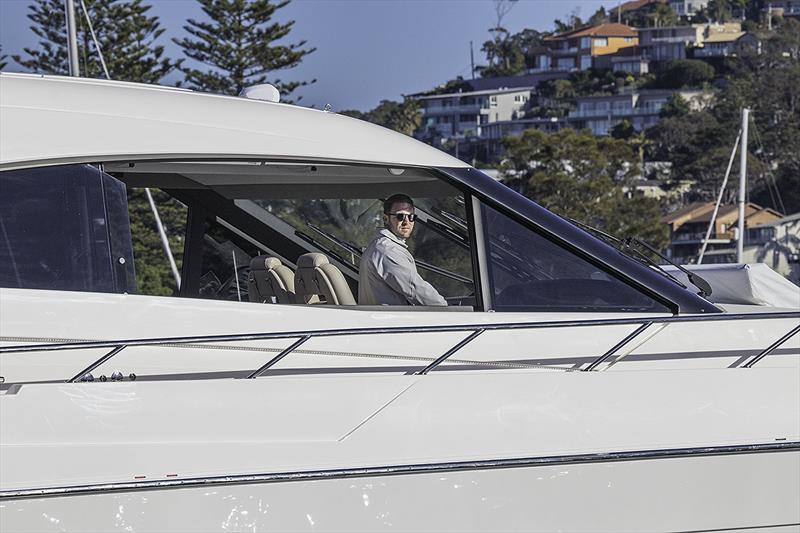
388	330
315	475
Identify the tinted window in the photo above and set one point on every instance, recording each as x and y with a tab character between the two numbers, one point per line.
225	264
64	228
529	272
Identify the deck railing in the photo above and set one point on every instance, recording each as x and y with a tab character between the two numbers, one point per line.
473	330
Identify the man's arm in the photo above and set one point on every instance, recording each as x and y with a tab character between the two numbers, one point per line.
400	273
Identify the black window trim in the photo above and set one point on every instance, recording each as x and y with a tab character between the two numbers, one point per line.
584	245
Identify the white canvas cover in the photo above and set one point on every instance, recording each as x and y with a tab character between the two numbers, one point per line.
738	283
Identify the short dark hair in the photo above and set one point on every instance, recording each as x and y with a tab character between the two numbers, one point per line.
396	199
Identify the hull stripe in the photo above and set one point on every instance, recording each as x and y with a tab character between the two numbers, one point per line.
316	475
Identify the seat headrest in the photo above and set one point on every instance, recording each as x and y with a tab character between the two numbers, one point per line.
264	262
312	260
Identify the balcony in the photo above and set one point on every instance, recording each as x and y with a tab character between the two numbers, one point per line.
563	51
474	109
698	237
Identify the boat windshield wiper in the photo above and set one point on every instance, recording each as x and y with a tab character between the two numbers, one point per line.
694	278
629	245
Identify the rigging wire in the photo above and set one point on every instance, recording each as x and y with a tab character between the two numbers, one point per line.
719	199
94	38
770	176
161	232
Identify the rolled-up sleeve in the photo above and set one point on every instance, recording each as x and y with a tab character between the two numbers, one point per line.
398	270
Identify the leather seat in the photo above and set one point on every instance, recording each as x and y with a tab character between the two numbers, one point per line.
270	281
318	281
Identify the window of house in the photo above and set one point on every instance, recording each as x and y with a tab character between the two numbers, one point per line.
493	101
586	42
600	41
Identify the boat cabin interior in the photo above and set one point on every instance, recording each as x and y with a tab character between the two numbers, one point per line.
292	233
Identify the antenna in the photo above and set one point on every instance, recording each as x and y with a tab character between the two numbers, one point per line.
72	39
471	61
742	185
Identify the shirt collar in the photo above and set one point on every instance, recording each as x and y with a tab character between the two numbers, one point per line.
389	235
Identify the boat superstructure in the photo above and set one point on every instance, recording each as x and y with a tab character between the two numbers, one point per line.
563	374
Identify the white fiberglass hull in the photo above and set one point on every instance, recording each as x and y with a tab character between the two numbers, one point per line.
730	492
682	450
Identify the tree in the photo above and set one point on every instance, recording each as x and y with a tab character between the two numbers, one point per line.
509	55
662	15
153	273
722	10
573	22
599	17
698	144
3	58
126	34
239	44
676	106
583	177
684	73
404	117
128	39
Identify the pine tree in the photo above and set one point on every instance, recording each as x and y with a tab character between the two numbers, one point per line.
239	45
2	59
127	38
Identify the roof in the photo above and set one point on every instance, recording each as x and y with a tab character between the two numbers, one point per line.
609	29
781	221
58	120
633	5
475	93
496	84
730	212
693	209
723	37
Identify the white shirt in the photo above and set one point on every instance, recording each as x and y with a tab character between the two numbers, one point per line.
388	275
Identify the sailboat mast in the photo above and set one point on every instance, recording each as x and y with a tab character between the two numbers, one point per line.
742	186
72	38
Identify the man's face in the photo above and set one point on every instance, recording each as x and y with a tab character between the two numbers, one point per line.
401	228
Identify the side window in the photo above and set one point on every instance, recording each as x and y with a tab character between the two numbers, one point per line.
154	275
342	228
225	264
440	246
65	228
529	272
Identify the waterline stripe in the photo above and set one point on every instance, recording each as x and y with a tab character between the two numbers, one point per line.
316	475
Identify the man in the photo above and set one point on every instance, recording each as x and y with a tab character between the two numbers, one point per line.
388	274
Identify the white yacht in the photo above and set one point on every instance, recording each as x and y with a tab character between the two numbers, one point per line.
569	385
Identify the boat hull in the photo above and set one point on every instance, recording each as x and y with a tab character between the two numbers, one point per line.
689	493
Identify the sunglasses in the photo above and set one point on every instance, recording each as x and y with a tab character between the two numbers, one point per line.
403	216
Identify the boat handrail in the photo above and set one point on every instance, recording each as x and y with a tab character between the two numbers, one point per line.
474	331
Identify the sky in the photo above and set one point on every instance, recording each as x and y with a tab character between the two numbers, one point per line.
366	50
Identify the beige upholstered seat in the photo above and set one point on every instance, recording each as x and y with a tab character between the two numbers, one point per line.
270	281
318	281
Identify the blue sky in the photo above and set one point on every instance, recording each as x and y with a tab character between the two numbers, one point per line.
367	50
